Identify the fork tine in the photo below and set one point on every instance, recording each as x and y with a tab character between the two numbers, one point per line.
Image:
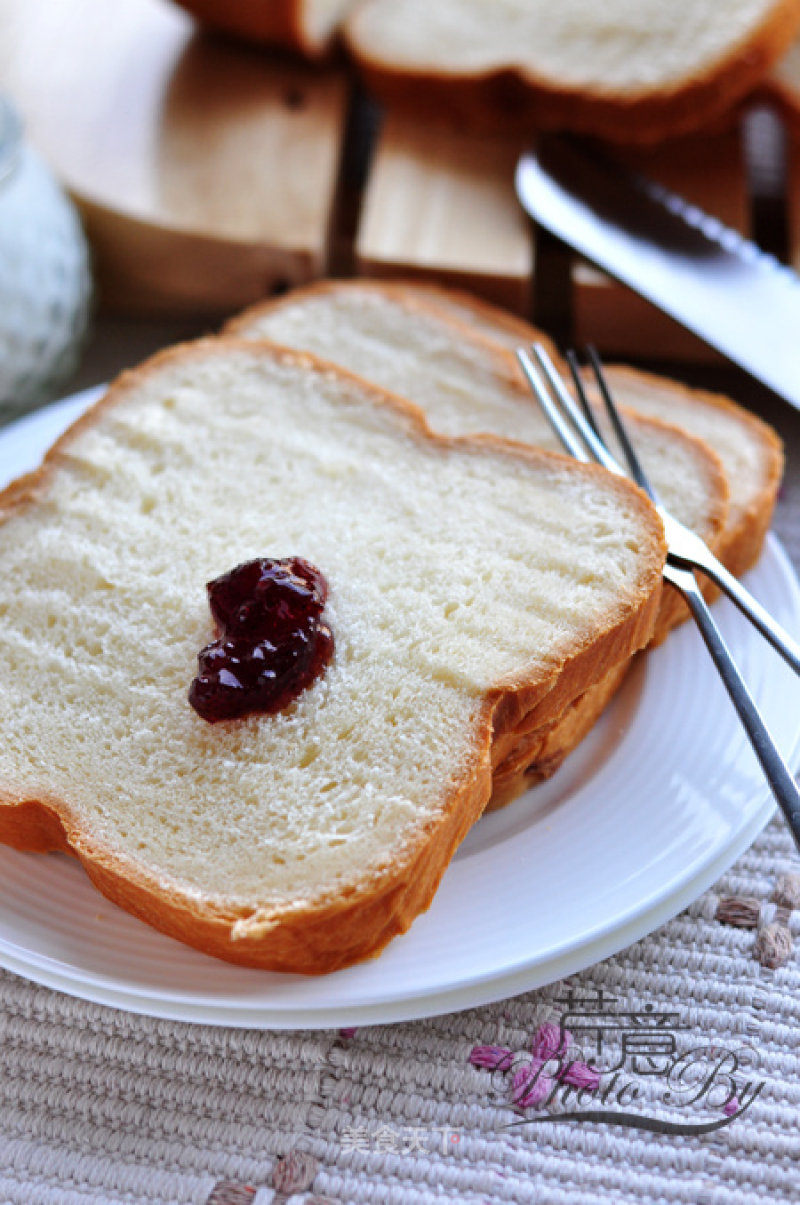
567	404
637	472
554	416
580	390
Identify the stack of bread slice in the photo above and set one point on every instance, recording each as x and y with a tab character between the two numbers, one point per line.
715	466
749	451
476	587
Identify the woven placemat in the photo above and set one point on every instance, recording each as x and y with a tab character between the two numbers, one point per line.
669	1073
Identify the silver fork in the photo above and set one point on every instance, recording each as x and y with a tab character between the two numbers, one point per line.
580	435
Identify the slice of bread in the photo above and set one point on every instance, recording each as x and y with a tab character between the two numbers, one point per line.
471	583
467	384
749	450
307	26
629	72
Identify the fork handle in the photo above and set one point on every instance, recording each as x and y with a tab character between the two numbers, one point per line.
769	628
777	773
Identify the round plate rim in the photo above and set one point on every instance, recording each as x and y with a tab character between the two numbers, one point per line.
603	942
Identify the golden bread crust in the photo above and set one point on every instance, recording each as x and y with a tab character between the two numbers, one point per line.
537	755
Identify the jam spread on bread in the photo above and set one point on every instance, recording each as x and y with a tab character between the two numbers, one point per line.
271	641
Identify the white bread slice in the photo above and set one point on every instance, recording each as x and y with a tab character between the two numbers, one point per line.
467	384
307	26
472	582
627	70
749	450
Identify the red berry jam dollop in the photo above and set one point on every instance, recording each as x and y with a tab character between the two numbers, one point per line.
271	642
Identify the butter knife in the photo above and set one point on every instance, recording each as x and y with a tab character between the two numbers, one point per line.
708	277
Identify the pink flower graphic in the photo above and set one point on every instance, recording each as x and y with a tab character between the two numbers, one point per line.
496	1058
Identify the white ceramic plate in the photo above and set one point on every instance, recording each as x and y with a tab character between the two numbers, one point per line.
655	804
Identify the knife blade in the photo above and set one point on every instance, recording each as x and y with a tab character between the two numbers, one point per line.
708	277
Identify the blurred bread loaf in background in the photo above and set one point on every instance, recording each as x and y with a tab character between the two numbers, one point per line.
627	71
634	72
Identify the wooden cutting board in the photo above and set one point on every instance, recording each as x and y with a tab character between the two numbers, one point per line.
440	204
205	171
